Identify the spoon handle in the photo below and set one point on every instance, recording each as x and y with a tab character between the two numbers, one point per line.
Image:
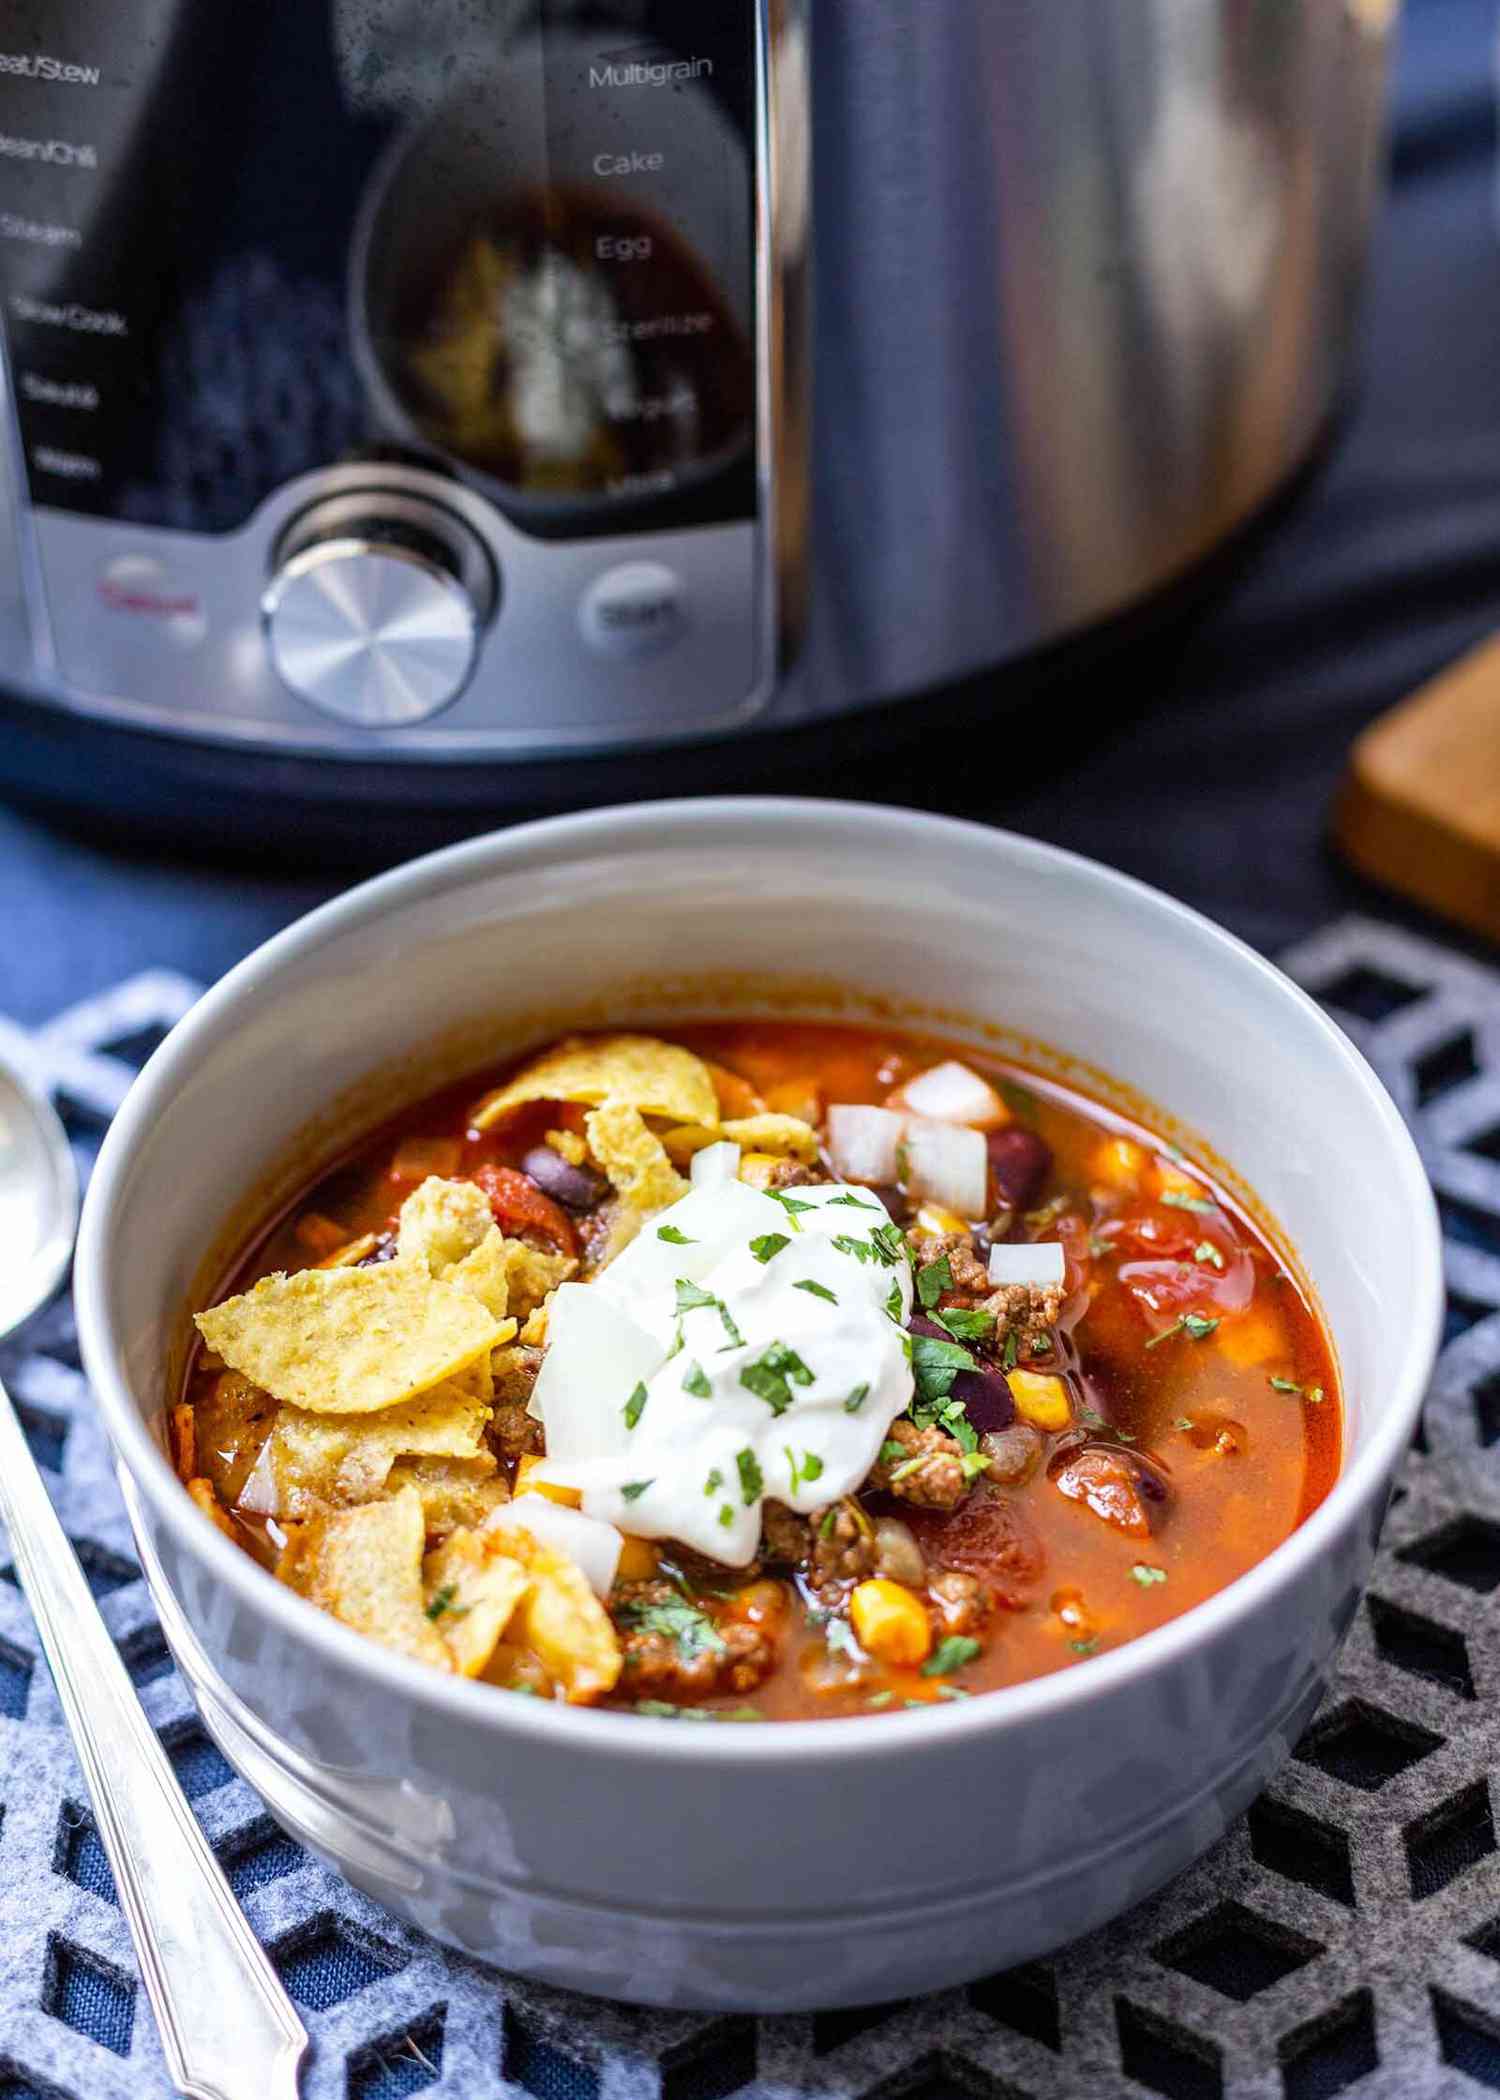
228	2029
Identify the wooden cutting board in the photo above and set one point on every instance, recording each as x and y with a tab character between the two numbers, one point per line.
1419	808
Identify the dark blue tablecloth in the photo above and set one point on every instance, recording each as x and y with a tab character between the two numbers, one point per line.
1203	760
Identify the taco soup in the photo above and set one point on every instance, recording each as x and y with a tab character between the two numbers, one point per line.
756	1371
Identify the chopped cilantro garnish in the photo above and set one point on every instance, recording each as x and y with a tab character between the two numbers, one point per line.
691	1631
1012	1350
442	1601
1180	1200
1183	1422
862	1250
676	1348
752	1480
1019	1100
1088	1647
1092	1419
974	1463
903	1166
936	1365
635	1406
792	1205
1284	1385
849	1201
879	1699
966	1325
768	1374
893	1303
673	1237
691	1297
933	1280
950	1655
891	1453
810	1469
856	1399
815	1290
726	1515
769	1245
1197	1326
1208	1253
634	1489
695	1381
664	1710
714	1482
1146	1575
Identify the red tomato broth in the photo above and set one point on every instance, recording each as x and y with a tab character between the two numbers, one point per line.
1245	1460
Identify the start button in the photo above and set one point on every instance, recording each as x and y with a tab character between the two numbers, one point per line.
633	610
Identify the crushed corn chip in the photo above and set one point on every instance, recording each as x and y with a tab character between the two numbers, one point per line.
786	1136
454	1491
639	1071
532	1274
348	1458
568	1145
350	1341
635	1161
365	1566
562	1622
473	1589
447	1228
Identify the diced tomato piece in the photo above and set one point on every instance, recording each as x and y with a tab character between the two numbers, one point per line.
988	1536
1165	1290
520	1208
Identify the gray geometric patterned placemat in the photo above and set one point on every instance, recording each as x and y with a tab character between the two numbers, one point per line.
1344	1938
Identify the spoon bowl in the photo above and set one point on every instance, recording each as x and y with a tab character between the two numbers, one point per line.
38	1200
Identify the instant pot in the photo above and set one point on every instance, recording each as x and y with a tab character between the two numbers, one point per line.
406	392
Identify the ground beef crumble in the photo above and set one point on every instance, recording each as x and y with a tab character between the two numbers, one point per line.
661	1664
785	1538
936	1481
791	1174
960	1603
843	1549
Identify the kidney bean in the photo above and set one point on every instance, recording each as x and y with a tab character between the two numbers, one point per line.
1020	1162
580	1188
987	1535
985	1394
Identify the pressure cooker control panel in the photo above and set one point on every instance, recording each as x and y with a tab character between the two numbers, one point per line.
392	369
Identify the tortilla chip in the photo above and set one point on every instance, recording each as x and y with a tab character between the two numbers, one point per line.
365	1567
350	1341
448	1228
454	1491
561	1621
786	1136
640	1071
636	1162
346	1459
472	1592
532	1275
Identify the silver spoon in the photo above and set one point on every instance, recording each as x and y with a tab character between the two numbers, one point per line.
228	2029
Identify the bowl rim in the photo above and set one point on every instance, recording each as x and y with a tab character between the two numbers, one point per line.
693	820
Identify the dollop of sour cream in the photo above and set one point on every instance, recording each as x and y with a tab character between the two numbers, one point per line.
744	1345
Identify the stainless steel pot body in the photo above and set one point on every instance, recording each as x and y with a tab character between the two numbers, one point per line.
1050	296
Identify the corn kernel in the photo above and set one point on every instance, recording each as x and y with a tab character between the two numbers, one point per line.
639	1561
1040	1399
935	1217
1120	1162
890	1622
528	1484
757	1168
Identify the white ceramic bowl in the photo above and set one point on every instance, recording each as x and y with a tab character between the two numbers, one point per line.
804	1864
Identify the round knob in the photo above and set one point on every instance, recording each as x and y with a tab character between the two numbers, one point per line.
376	606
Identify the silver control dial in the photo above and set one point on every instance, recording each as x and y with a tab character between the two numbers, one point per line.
376	606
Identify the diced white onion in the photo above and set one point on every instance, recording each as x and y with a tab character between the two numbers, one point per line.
948	1162
714	1163
259	1494
951	1093
590	1545
862	1142
1039	1261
